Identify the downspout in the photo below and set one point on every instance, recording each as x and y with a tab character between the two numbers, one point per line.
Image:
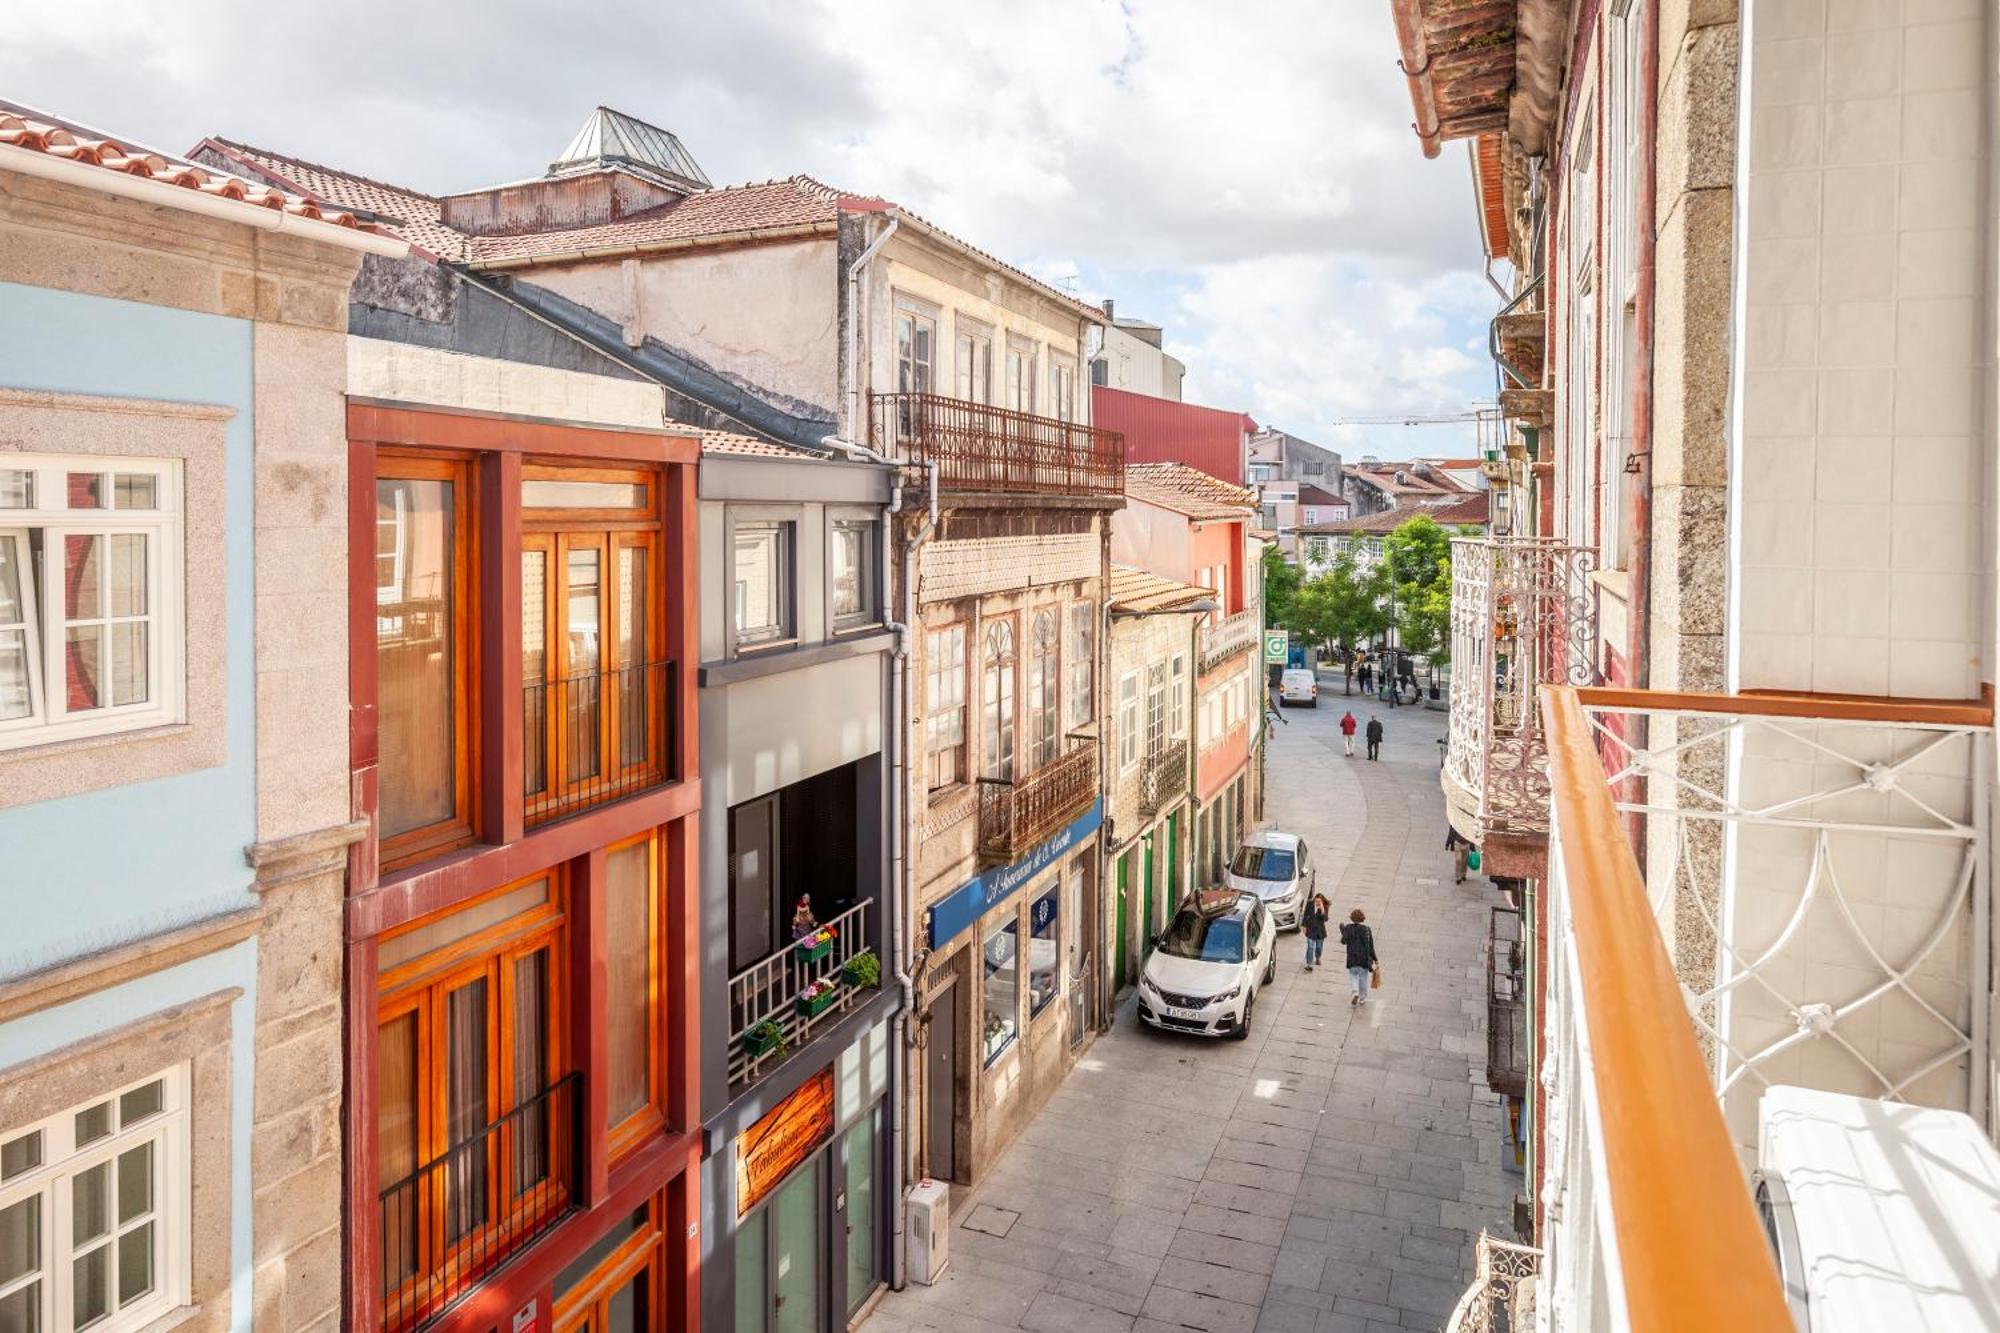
855	270
1639	639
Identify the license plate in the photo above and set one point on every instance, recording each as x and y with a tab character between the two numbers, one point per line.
1183	1013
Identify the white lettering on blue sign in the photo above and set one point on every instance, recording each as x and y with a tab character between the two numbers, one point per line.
963	906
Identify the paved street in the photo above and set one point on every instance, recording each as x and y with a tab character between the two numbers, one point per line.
1326	1176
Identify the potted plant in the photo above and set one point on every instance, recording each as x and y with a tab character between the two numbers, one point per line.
863	971
817	945
819	997
766	1038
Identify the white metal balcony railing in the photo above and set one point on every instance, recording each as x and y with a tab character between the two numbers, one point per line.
1231	635
1816	912
770	990
1521	618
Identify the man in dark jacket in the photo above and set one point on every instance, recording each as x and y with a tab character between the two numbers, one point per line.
1361	959
1313	922
1374	737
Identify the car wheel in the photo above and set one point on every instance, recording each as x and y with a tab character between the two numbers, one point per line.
1271	969
1242	1032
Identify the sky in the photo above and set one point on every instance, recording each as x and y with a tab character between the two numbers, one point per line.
1244	175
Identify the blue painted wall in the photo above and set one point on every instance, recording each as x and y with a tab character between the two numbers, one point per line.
91	871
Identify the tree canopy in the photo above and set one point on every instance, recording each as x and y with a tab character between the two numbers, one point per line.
1416	563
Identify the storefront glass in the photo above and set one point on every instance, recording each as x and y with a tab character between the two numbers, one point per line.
1044	971
1001	951
862	1257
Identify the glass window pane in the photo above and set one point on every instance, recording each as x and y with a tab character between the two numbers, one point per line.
583	495
19	1156
86	490
396	1142
762	609
135	1183
862	1265
530	1044
93	1124
128	663
135	1263
466	1103
628	981
752	1298
416	670
20	1239
467	921
534	670
582	695
82	575
626	1312
13	606
136	490
91	1275
90	1203
141	1102
1044	976
17	488
21	1311
128	574
635	681
15	700
1002	982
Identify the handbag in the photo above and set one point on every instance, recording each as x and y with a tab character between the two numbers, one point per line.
1375	977
1472	859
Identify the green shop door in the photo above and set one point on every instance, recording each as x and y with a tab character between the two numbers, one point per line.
1152	917
1173	860
1122	941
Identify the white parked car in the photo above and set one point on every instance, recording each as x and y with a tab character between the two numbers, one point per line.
1208	965
1299	686
1278	869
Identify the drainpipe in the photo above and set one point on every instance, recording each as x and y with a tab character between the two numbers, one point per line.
855	381
1639	640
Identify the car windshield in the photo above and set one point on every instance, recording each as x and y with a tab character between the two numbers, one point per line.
1206	939
1263	863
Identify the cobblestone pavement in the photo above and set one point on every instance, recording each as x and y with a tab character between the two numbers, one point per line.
1330	1174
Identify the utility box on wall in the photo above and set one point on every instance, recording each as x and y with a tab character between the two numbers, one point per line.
930	1230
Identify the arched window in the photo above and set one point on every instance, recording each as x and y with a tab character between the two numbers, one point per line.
1044	693
997	694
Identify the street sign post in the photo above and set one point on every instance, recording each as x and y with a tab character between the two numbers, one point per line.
1276	643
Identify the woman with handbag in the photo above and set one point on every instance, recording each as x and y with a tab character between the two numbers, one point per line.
1361	960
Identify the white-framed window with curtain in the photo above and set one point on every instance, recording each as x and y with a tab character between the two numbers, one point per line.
1129	735
1062	387
90	596
1177	698
94	1211
974	360
1044	691
916	350
1080	665
944	706
997	702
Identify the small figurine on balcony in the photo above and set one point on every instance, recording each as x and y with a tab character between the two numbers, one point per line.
804	923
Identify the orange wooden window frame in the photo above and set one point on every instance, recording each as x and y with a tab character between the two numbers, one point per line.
584	1308
641	1126
457	831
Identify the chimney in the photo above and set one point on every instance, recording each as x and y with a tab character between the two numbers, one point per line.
1108	313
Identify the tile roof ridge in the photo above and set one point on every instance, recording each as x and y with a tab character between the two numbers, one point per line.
242	147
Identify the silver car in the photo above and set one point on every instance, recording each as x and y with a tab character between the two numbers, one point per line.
1277	867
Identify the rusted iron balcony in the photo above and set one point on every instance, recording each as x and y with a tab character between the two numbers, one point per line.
1231	635
1522	618
1163	777
768	991
594	738
1016	814
976	447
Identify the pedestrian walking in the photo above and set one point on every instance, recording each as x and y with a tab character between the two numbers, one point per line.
1374	738
1359	941
1361	675
1314	925
1460	850
1347	726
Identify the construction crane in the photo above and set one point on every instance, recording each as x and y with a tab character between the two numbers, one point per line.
1420	418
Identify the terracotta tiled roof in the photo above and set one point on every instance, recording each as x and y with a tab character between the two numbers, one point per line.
37	132
408	213
794	202
1313	495
1383	476
1187	490
1140	590
728	442
1472	509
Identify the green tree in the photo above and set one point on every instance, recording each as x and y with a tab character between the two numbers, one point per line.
1281	587
1342	607
1416	560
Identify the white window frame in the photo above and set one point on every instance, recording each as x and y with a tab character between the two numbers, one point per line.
927	319
972	359
1128	722
945	666
1177	701
1080	664
62	1161
49	718
1062	387
784	625
1023	367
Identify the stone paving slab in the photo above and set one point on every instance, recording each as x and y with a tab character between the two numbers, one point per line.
1330	1174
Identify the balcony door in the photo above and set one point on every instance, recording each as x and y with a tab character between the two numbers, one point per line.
594	686
997	702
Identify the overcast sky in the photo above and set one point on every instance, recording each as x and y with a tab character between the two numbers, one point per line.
1242	174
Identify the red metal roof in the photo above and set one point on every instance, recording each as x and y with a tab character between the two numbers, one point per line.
1472	510
1159	430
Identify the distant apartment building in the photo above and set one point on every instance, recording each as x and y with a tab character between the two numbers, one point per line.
173	711
1277	455
1371	485
1133	357
1321	544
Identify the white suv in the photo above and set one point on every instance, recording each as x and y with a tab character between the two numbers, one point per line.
1278	869
1208	965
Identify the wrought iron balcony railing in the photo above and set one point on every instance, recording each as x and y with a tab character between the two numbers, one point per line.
1522	618
1016	814
770	991
591	739
1227	637
451	1223
1163	777
976	447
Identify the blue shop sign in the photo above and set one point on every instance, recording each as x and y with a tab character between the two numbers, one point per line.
962	907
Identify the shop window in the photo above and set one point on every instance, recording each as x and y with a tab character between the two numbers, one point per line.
475	1132
1044	956
594	684
90	632
422	636
864	1252
93	1212
1001	951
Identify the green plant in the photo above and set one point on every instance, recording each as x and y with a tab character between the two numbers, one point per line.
864	970
768	1038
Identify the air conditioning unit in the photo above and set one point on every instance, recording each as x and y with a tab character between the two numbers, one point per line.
930	1230
1881	1215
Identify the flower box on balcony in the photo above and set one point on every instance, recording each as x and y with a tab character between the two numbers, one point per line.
817	998
811	948
767	1038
